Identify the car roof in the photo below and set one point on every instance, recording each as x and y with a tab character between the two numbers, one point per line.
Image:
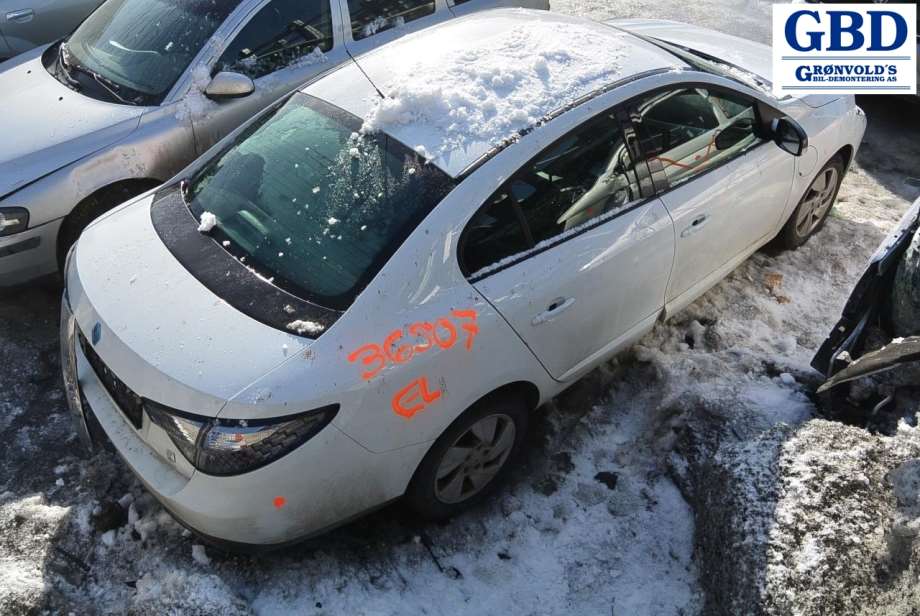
457	91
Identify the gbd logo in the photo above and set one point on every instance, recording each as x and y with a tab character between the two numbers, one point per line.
844	49
843	30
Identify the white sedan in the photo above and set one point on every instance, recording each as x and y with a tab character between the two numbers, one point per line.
362	294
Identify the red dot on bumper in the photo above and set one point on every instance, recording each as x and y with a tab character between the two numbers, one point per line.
279	502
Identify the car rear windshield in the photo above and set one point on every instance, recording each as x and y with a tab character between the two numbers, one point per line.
307	201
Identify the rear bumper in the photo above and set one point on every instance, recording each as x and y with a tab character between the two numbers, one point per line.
29	255
324	483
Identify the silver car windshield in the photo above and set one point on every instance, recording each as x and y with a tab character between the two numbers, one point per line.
306	200
141	47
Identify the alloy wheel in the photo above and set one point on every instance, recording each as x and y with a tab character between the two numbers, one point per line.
474	459
818	200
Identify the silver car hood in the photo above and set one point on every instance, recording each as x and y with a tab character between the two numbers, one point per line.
46	126
162	332
751	56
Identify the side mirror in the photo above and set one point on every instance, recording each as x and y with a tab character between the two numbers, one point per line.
229	85
734	133
789	135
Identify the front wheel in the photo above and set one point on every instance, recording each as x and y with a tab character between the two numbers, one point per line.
470	459
816	204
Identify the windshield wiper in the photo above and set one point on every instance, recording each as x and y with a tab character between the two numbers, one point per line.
183	190
108	85
65	69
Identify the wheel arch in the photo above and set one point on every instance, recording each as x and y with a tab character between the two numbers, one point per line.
525	389
846	153
128	188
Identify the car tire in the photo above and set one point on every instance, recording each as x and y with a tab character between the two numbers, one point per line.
817	202
448	482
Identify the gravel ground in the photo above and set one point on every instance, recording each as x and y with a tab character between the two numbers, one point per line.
591	523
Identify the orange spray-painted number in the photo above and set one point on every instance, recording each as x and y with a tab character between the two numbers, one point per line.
372	356
414	398
468	325
399	349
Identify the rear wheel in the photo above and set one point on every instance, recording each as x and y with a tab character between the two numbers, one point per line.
470	459
816	204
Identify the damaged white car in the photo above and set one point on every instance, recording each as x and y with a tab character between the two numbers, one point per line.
142	87
362	294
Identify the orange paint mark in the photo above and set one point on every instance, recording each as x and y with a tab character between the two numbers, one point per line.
422	330
414	398
372	354
470	328
451	334
279	502
403	353
443	333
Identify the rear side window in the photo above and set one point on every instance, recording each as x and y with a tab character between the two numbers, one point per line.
584	178
368	17
307	202
687	131
281	33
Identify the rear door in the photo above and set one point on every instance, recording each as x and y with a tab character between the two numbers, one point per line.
371	23
282	45
723	183
574	250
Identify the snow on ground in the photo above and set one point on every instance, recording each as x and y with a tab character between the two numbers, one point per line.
591	522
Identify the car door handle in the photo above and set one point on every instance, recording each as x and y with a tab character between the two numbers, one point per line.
20	16
698	223
558	306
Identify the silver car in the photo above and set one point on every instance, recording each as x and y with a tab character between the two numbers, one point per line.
25	24
142	87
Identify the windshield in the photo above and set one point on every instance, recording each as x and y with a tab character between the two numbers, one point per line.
710	64
312	205
141	47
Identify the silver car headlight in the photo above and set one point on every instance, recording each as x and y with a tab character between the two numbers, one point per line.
223	447
13	220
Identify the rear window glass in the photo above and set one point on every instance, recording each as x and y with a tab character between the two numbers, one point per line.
368	17
307	201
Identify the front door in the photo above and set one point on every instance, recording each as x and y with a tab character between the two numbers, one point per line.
724	185
571	252
284	44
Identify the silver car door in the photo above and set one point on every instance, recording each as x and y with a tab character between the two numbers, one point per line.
371	24
282	45
725	186
574	250
29	23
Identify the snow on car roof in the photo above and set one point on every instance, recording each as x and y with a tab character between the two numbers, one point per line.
455	91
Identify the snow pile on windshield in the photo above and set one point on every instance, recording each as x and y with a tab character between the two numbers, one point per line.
472	95
207	222
305	327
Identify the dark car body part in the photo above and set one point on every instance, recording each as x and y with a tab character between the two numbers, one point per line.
899	351
865	306
226	276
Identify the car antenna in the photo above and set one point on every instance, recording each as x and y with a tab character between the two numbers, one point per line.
361	68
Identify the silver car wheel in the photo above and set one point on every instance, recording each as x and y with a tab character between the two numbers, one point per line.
474	459
818	200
